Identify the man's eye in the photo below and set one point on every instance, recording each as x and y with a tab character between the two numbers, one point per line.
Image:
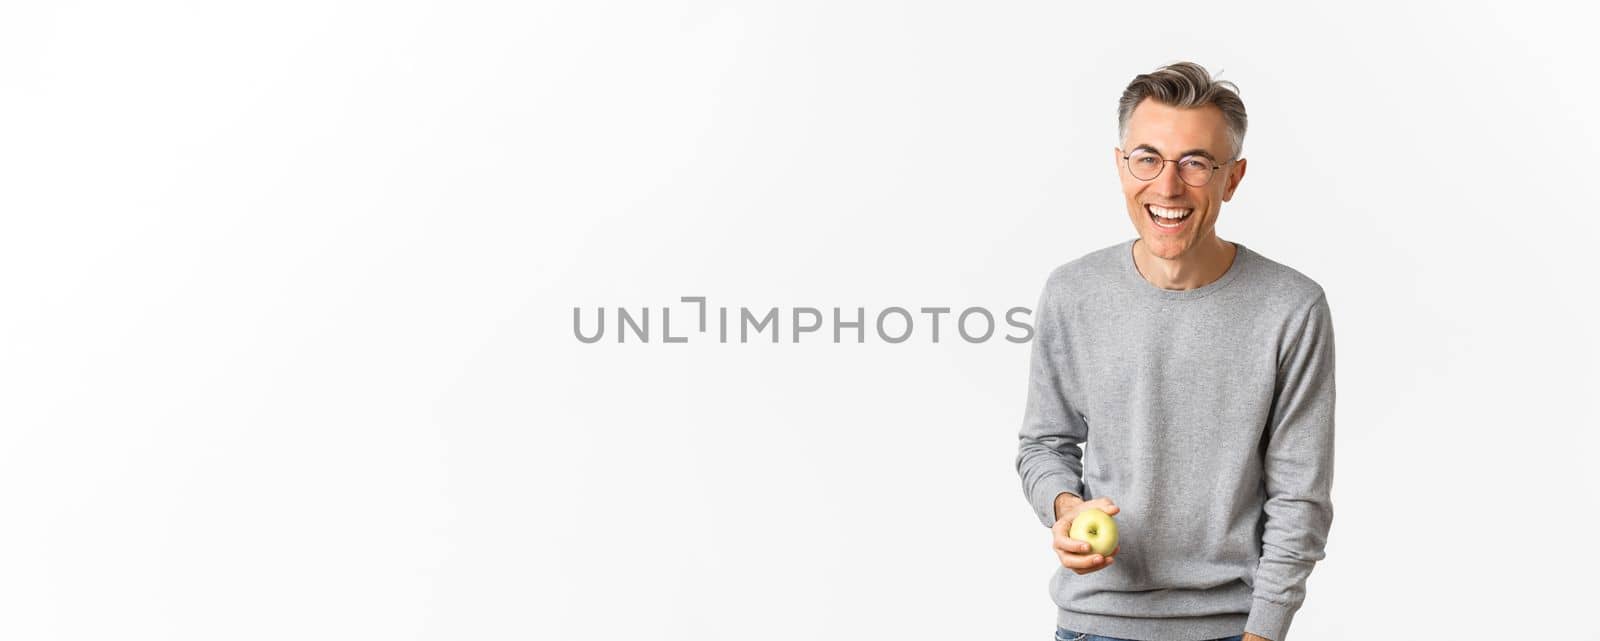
1195	163
1144	160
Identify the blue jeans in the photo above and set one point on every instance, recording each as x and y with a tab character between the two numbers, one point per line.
1063	634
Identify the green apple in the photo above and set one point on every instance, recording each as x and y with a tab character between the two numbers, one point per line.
1095	528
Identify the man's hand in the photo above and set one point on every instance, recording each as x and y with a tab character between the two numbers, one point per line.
1075	554
1252	637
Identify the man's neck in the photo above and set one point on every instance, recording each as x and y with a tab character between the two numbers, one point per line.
1202	265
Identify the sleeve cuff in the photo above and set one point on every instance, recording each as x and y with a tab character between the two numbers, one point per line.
1045	493
1269	620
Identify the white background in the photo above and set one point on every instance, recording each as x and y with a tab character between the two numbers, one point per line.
286	297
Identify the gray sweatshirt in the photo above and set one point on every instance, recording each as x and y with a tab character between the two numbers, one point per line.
1206	415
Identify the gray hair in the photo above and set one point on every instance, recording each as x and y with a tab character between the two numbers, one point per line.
1185	85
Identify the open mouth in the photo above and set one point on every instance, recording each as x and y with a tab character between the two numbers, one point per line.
1168	218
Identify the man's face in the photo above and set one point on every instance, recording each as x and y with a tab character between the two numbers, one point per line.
1175	134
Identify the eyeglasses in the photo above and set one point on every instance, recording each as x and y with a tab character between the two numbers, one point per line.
1195	171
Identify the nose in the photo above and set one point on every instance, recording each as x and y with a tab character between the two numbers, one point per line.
1169	183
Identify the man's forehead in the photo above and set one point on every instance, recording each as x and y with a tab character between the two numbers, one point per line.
1176	131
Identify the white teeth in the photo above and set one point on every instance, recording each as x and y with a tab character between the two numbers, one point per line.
1168	213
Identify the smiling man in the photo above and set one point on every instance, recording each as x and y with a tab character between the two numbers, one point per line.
1183	384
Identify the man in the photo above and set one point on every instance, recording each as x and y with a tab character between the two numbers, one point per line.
1197	375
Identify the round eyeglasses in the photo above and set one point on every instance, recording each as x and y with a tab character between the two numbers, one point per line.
1195	171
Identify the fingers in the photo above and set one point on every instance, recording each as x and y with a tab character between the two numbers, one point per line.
1075	554
1080	561
1104	504
1063	524
1079	550
1069	545
1105	562
1063	543
1084	563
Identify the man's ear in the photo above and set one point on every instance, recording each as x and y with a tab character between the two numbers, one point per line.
1116	159
1234	176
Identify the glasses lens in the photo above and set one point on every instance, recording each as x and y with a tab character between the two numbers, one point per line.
1195	171
1144	165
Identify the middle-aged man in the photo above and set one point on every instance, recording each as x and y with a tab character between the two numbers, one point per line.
1197	375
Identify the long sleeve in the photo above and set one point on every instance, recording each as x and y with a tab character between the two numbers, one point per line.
1048	458
1298	470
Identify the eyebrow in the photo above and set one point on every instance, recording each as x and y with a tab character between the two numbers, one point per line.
1191	152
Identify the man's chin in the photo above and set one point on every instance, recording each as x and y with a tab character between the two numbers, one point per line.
1164	247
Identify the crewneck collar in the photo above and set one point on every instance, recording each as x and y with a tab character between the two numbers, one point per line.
1144	287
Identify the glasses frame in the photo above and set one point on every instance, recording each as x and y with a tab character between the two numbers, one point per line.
1126	162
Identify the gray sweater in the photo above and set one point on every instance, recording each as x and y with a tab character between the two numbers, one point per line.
1206	415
